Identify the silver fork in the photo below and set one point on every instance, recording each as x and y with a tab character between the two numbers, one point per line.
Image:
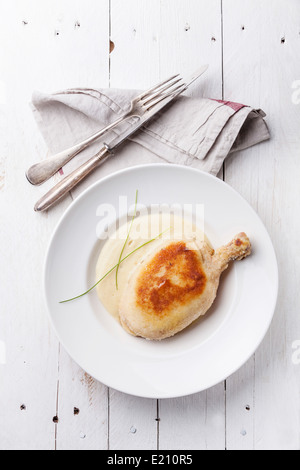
40	172
153	107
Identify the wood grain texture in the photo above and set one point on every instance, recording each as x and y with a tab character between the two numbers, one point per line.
33	56
261	46
156	40
252	47
132	422
82	409
135	27
194	422
186	42
191	35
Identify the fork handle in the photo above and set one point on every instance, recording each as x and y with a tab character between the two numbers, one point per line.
41	172
68	183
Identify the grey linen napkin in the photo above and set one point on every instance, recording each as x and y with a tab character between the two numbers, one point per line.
196	132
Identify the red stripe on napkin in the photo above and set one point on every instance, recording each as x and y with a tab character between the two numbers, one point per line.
234	106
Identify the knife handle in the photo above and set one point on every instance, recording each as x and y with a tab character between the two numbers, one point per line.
68	183
42	171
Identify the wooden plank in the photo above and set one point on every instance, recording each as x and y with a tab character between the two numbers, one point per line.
82	409
132	422
240	408
135	28
133	64
186	42
63	44
191	36
193	422
86	26
36	57
261	44
154	41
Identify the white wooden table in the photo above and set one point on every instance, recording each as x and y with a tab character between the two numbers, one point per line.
253	48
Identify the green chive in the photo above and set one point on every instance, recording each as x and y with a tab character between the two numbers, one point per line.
105	275
121	254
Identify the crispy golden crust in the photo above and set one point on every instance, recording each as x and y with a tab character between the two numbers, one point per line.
174	276
175	285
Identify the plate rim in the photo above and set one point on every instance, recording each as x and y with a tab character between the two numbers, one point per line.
185	168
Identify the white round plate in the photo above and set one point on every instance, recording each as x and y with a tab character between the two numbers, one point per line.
208	351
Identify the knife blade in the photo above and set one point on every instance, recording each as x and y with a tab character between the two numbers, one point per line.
70	181
116	142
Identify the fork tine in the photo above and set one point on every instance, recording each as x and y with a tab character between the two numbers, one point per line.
156	87
163	102
171	94
160	91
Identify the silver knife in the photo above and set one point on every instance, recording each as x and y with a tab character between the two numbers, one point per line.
70	181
